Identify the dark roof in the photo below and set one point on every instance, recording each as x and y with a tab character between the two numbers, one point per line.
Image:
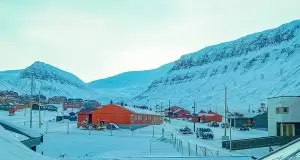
282	96
87	110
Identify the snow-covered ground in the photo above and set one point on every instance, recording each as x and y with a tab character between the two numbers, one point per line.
64	138
82	143
12	149
216	145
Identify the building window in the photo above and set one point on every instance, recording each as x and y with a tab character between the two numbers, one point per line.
282	110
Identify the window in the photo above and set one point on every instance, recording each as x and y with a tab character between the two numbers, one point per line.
282	110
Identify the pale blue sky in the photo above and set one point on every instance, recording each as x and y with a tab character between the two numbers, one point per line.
95	38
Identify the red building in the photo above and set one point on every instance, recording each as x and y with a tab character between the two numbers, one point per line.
178	112
211	117
123	116
208	117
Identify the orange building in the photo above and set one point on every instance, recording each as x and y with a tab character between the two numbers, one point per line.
123	116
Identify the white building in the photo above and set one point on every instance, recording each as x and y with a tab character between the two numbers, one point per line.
284	116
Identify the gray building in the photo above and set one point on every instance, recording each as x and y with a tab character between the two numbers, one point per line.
283	116
260	121
255	120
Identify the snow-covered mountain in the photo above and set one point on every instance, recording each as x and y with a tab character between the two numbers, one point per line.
127	85
254	67
50	80
7	79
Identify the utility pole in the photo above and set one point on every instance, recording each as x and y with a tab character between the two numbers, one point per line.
31	94
161	110
40	109
169	112
230	138
226	110
194	116
25	111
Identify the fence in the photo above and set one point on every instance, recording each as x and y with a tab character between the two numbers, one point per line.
193	149
258	142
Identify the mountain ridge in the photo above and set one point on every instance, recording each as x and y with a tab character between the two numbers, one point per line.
239	64
253	68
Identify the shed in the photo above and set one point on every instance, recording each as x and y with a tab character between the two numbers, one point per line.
261	121
238	120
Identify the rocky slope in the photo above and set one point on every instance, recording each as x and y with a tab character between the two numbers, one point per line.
254	67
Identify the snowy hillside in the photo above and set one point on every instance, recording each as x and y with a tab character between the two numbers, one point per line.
50	80
7	80
254	67
129	84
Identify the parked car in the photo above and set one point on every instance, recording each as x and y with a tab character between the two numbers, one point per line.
112	126
213	124
205	133
223	125
185	130
244	128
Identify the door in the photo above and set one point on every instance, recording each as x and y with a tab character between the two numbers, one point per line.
90	118
287	130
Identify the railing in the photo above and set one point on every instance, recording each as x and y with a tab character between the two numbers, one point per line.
175	158
258	142
32	142
33	138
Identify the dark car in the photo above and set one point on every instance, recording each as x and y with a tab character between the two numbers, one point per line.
244	128
213	124
223	125
185	130
205	133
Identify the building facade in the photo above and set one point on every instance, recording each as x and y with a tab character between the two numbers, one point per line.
123	116
283	116
178	112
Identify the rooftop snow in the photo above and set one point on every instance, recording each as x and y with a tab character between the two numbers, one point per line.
140	111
